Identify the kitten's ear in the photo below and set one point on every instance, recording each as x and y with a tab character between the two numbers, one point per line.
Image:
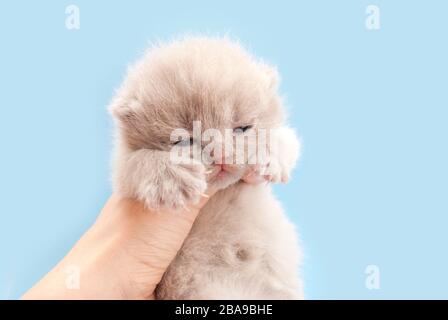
122	110
273	77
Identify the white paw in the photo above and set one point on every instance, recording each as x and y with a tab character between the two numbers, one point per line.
278	164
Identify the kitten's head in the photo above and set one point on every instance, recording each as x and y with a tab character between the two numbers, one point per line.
213	81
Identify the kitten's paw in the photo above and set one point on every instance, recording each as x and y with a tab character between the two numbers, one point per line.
273	171
151	177
179	186
282	157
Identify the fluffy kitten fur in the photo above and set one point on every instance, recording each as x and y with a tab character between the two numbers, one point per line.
241	246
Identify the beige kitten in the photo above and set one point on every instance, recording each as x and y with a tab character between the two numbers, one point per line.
242	246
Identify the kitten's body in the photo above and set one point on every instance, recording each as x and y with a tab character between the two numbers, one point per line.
241	246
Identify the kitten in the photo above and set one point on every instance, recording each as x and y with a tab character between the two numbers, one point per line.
241	246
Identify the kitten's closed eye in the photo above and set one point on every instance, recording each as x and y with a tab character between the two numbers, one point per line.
242	129
189	141
184	142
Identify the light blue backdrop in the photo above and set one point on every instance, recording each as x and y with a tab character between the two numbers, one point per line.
371	107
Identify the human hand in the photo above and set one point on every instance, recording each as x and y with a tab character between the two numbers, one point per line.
125	253
122	256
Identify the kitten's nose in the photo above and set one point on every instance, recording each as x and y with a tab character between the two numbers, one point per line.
222	166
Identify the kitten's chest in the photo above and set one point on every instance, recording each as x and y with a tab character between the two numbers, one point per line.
234	215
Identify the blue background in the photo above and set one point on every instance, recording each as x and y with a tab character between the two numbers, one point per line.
371	107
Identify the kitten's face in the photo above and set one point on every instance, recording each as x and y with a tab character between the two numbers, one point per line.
208	81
